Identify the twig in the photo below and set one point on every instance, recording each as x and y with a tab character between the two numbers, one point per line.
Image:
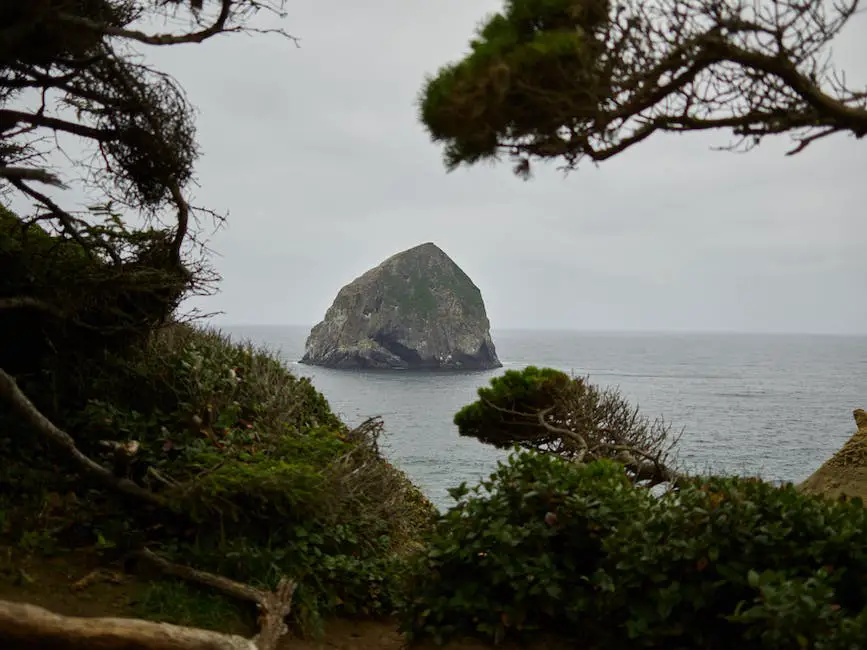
152	471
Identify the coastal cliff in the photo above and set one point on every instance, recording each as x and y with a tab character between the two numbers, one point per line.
844	475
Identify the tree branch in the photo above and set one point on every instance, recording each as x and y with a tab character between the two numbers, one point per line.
28	302
650	468
30	174
274	606
65	219
217	27
183	221
852	118
56	124
18	401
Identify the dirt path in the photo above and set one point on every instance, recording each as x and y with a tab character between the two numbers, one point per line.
56	584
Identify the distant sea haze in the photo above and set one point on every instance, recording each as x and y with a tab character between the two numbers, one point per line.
770	405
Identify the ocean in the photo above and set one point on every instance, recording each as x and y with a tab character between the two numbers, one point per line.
774	406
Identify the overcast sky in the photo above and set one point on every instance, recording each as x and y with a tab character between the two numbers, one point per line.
318	155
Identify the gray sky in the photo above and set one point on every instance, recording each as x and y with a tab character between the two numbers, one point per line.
319	158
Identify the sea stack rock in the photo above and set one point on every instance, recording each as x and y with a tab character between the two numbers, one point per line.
416	310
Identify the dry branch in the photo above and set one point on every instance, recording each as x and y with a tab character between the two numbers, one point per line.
12	395
274	606
25	627
217	27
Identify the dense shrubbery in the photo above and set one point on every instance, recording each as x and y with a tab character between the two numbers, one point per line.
550	546
264	479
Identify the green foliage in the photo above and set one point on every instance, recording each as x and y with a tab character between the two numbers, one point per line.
519	554
180	603
701	553
549	546
77	306
526	391
410	282
531	69
264	479
411	292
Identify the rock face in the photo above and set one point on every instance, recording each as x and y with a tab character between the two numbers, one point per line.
844	475
416	310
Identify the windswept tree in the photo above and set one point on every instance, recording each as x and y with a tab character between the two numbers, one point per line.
80	106
569	80
72	68
546	410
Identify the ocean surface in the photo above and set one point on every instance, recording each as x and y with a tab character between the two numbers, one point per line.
775	406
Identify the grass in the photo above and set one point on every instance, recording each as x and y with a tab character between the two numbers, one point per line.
179	603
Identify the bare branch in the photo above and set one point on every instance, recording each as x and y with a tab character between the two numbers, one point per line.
217	27
274	606
18	401
66	220
15	117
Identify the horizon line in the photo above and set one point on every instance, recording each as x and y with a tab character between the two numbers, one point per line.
567	330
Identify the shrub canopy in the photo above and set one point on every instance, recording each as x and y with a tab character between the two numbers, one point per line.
547	546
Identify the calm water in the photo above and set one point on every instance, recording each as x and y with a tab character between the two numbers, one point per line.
776	406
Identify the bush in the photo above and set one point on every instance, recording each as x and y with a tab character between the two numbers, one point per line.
717	546
264	480
576	551
520	552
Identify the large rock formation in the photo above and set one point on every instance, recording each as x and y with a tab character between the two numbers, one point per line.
844	475
416	310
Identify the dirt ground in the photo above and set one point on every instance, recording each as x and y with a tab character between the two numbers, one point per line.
57	585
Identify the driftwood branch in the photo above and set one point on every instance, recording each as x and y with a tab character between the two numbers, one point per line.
274	606
18	401
27	627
